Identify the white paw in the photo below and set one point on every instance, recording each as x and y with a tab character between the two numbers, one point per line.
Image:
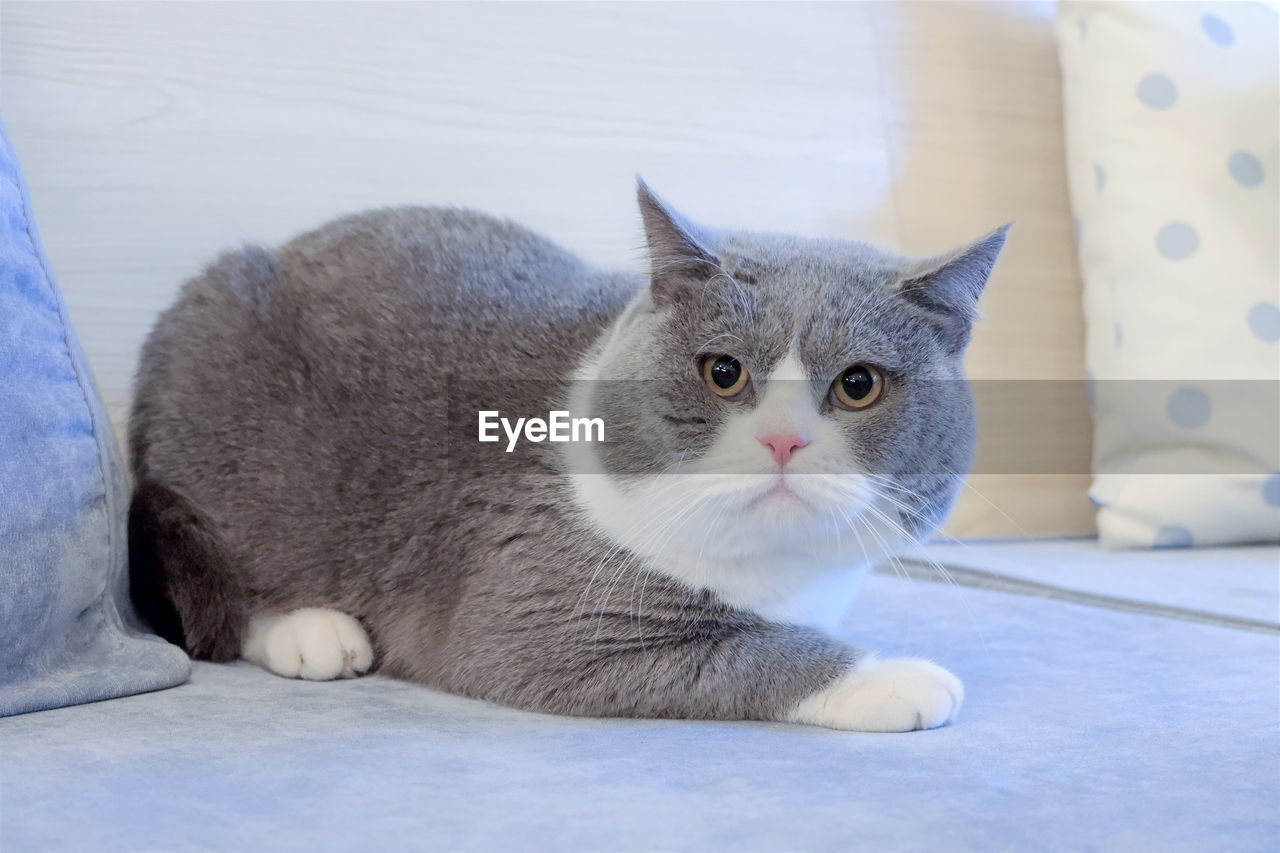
314	643
899	695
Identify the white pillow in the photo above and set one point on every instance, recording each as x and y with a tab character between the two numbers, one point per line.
1172	115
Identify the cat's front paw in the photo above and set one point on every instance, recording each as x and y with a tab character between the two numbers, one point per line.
898	695
314	643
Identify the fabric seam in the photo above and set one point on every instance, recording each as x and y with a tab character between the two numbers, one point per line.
1009	584
95	428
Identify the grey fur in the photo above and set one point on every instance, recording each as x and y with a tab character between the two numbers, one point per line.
315	407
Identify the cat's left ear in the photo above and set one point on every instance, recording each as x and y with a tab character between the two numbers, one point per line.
947	287
680	254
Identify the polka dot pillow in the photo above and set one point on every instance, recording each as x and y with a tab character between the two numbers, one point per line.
1172	121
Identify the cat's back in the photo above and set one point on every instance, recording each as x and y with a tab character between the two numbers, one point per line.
440	254
350	335
456	279
439	288
448	279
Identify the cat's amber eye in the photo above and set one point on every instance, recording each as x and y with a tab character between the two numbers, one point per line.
858	387
725	375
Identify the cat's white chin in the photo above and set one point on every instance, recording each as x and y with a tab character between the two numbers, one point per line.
792	504
790	554
781	495
781	506
826	516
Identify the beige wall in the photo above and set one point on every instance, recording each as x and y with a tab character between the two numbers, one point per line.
155	135
973	123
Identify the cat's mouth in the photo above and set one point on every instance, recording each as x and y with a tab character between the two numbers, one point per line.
779	492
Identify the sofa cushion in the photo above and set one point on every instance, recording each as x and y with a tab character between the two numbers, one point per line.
1173	155
67	633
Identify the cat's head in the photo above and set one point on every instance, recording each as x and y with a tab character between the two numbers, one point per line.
769	393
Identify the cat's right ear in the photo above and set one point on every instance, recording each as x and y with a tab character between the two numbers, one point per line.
680	257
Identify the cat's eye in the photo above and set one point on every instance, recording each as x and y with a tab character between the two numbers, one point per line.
858	387
724	375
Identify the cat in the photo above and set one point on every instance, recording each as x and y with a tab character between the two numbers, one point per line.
778	413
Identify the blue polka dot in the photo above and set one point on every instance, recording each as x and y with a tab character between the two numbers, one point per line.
1264	322
1189	408
25	282
1173	536
1271	490
1157	91
1245	168
1217	30
1099	176
1177	241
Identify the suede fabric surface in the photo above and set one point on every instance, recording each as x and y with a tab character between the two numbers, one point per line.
1241	582
1084	729
65	631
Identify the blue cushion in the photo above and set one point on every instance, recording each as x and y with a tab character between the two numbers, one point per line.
67	632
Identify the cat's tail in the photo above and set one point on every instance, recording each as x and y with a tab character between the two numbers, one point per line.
180	575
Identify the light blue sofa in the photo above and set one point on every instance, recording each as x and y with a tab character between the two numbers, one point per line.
1089	725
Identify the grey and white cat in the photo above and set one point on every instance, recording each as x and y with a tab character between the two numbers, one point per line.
779	413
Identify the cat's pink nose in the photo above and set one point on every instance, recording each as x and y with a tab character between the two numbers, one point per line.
782	446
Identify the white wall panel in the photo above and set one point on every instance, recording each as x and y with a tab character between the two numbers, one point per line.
154	135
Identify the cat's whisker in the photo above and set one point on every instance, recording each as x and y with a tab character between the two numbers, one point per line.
743	300
1021	530
644	571
878	484
837	538
724	502
583	597
668	527
689	501
670	530
643	577
672	518
866	555
912	494
983	637
888	552
901	506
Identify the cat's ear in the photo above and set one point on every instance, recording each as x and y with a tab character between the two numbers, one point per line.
947	287
680	256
